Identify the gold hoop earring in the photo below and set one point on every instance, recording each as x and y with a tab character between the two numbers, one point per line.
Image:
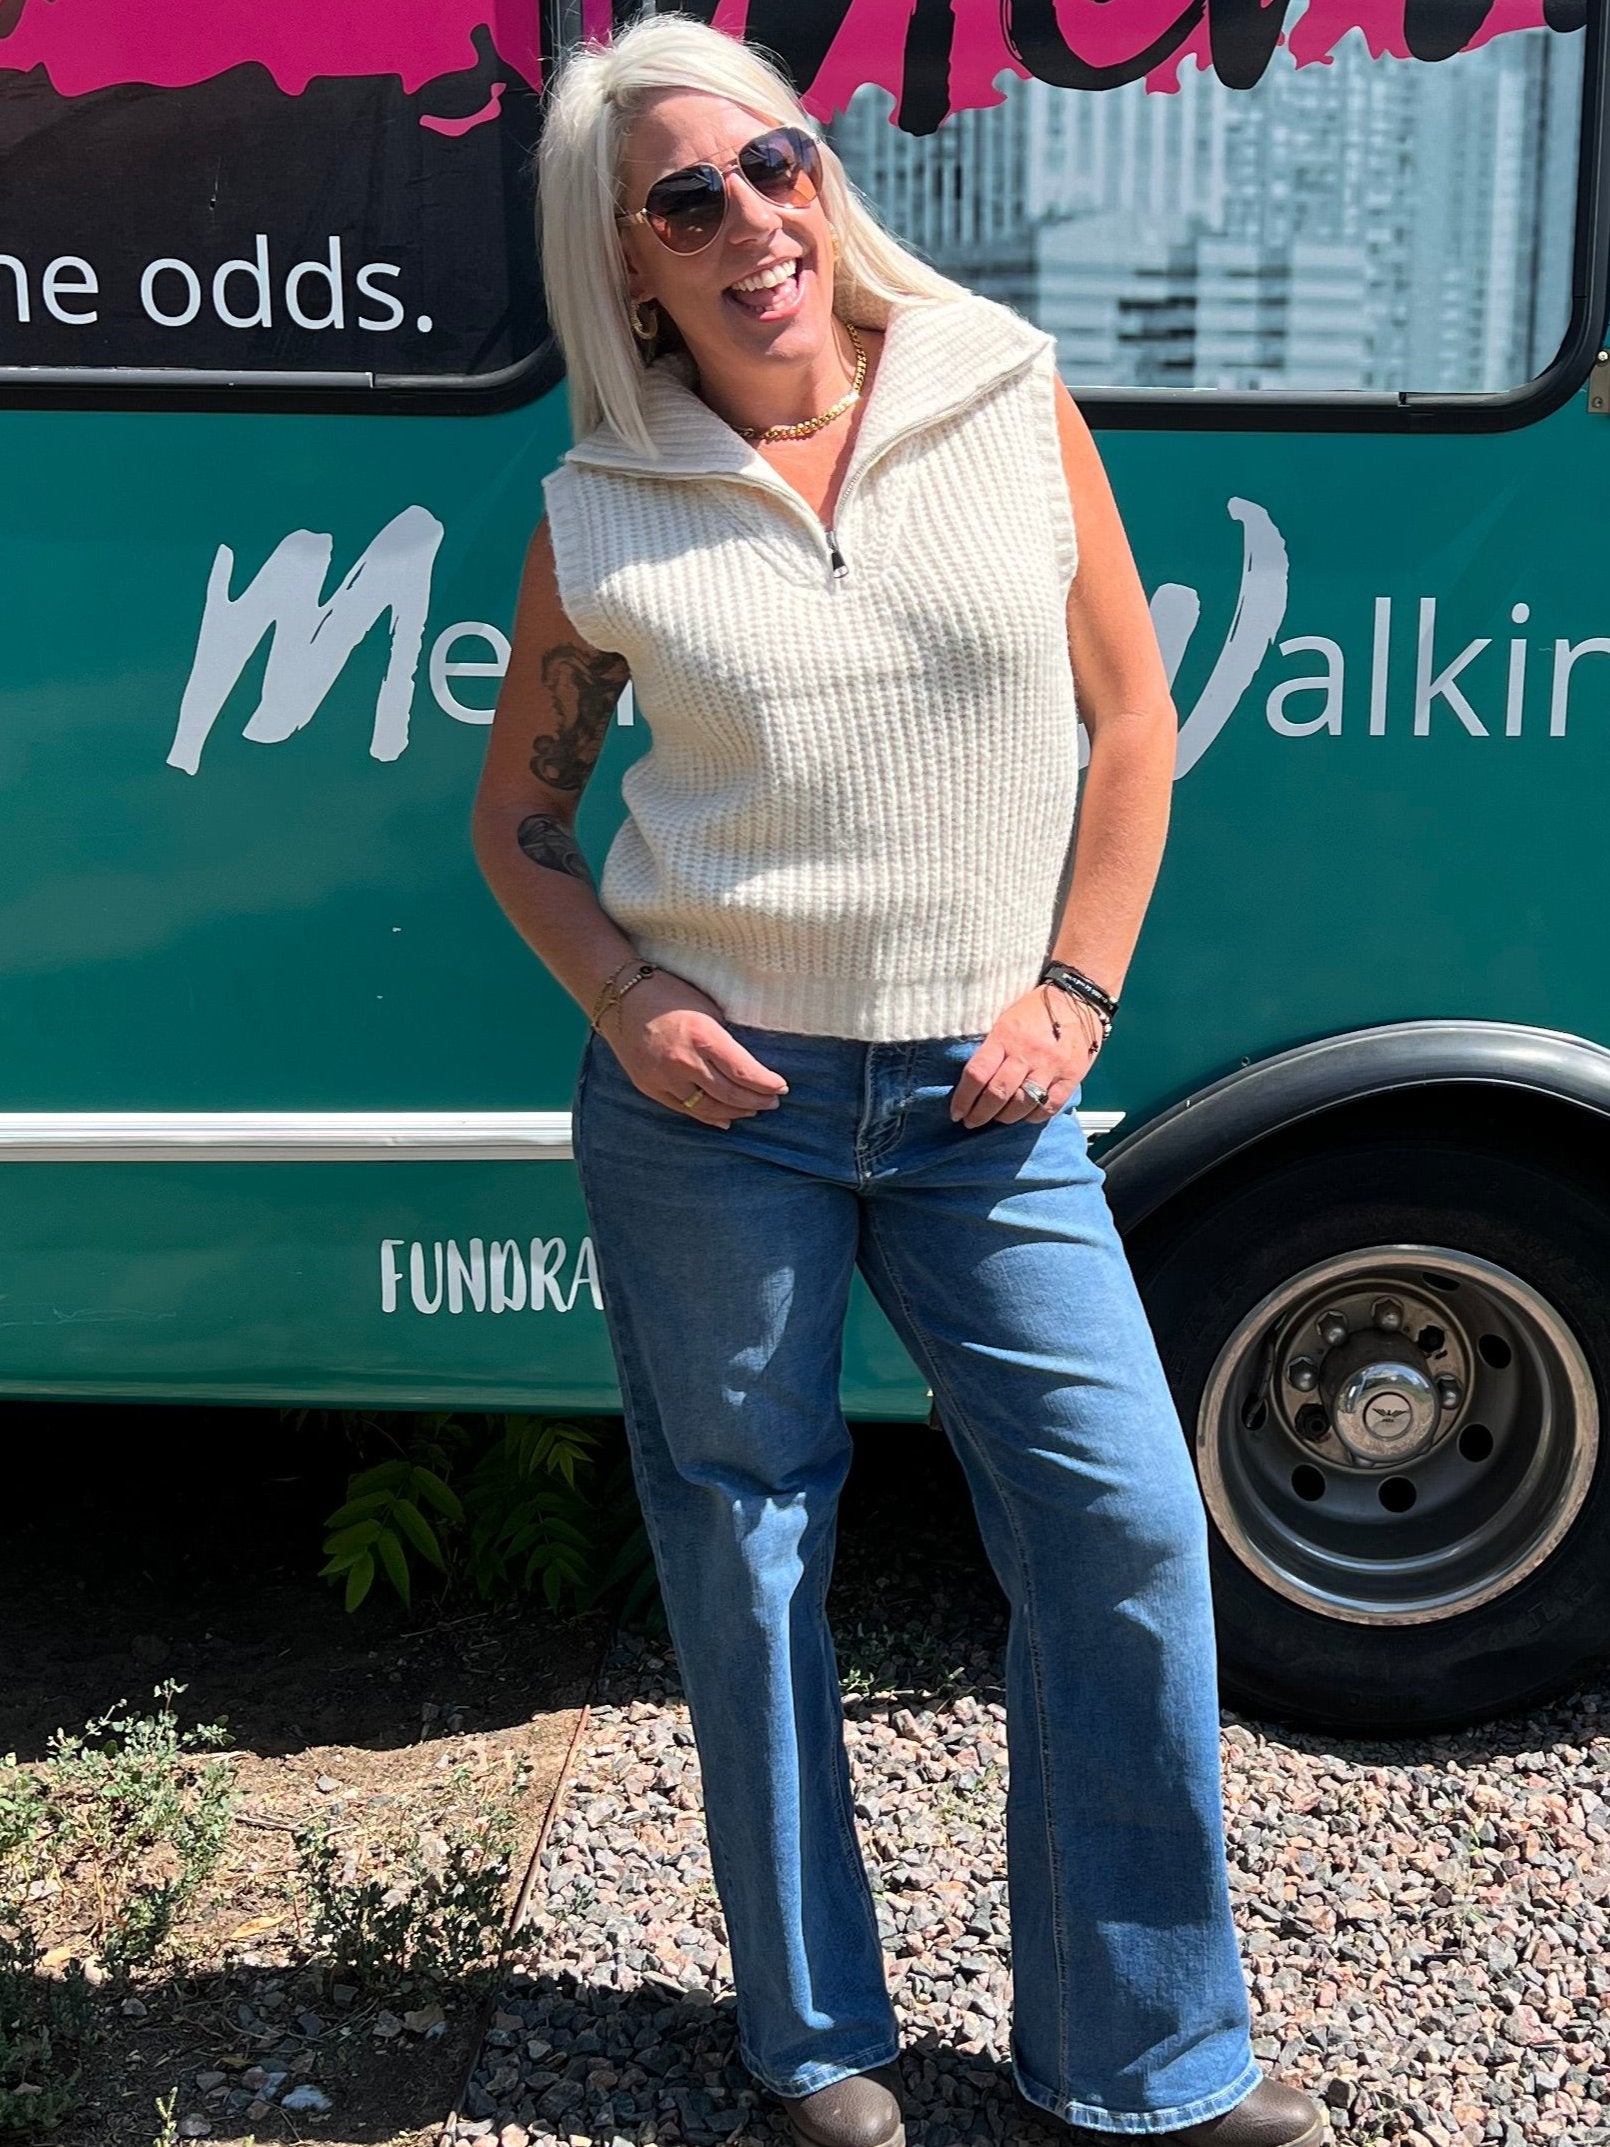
644	335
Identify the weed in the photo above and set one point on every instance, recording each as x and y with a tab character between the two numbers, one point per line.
428	1908
119	1818
133	1826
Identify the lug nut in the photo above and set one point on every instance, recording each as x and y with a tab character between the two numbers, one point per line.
1449	1392
1332	1329
1303	1374
1388	1313
1312	1423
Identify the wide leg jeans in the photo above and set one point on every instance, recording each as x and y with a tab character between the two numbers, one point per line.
725	1262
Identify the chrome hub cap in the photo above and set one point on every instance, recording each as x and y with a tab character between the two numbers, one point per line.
1397	1434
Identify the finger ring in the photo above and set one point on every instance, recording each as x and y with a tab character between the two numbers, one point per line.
1034	1092
689	1101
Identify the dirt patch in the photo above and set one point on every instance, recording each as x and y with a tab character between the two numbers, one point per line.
201	1567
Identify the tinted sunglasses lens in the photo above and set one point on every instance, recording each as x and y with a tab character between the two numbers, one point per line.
686	208
781	165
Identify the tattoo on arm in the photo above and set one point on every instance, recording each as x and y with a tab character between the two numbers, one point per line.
583	685
547	841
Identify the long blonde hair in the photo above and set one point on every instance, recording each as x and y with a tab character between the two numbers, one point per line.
595	96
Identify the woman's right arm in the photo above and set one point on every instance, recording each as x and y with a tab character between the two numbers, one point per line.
552	718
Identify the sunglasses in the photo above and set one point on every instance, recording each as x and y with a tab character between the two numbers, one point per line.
686	209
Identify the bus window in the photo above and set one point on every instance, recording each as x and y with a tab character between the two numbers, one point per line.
1358	225
294	200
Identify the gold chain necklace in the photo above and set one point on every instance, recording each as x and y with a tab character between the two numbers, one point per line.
814	424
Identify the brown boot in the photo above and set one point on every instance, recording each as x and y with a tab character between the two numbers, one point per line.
860	2111
1273	2115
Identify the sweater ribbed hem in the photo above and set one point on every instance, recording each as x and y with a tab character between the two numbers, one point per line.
865	1008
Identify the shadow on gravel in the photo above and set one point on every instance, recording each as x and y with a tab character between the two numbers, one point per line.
694	2086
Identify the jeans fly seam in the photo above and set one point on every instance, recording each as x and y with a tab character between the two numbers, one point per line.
870	1149
940	1384
863	1156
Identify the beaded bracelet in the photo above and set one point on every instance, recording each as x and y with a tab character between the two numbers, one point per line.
608	998
604	991
1100	1012
1104	1020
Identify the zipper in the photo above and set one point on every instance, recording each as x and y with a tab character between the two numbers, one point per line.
779	487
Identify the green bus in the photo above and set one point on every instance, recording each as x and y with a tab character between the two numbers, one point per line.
286	1103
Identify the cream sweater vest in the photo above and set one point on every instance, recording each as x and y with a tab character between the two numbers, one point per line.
855	818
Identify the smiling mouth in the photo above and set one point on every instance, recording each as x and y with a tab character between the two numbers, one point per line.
776	297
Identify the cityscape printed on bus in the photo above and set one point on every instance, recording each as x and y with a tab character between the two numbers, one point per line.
1363	223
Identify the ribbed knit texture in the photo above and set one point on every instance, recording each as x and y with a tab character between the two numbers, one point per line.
855	817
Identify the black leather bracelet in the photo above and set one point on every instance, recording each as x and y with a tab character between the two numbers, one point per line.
1082	987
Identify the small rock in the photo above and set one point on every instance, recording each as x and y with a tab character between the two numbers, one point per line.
327	1785
195	2126
308	2099
133	2009
428	2020
207	2081
386	2026
343	1993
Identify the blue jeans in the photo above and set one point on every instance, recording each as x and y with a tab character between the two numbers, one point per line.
725	1258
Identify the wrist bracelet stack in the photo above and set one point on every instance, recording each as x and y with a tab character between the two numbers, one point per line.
612	994
1078	986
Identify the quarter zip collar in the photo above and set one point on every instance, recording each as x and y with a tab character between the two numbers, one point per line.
937	356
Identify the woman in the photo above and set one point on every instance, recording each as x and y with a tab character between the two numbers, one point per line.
840	523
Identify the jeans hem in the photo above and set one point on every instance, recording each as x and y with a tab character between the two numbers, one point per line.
1098	2118
811	2077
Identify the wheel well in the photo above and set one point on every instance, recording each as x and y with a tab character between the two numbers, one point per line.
1503	1118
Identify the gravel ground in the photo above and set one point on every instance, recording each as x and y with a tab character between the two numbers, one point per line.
1423	1924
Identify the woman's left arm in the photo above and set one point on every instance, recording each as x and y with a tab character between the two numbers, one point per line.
1128	712
1124	798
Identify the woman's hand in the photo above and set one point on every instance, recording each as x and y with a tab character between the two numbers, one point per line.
1024	1045
669	1037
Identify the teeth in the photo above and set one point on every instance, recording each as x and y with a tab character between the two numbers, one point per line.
766	278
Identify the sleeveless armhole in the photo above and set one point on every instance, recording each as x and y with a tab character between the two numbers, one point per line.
575	557
1064	534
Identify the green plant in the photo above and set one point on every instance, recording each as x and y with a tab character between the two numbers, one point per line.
122	1821
532	1524
517	1504
44	2021
428	1908
134	1825
23	1814
383	1517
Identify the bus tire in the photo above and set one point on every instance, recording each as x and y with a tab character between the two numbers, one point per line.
1390	1553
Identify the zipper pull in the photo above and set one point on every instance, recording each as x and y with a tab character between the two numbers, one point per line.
840	563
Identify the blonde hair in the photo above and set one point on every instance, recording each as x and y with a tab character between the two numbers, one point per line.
595	96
